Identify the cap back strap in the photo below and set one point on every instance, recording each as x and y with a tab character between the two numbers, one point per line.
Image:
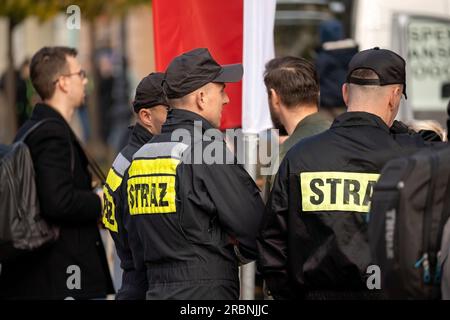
364	82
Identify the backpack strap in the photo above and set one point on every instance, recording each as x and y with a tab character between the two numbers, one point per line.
95	167
42	122
445	211
91	162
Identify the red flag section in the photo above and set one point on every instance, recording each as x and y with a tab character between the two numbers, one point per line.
182	25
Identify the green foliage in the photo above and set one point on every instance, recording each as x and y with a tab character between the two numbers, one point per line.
91	9
18	10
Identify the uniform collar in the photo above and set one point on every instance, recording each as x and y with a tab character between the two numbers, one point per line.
178	118
354	119
140	135
312	119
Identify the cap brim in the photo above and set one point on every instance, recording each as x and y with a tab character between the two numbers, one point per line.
230	73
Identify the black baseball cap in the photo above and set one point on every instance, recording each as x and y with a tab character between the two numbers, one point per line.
149	92
194	69
389	66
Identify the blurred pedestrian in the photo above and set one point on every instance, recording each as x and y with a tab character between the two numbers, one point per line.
106	99
25	94
430	130
332	62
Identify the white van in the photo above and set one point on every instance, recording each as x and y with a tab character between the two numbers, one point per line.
420	32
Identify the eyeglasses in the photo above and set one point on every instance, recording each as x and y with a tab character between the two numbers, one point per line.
81	74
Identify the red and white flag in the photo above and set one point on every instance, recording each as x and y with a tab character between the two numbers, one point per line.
234	31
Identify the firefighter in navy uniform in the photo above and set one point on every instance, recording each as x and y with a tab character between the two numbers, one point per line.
313	243
151	107
197	219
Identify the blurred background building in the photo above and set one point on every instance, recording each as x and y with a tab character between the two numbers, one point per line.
116	47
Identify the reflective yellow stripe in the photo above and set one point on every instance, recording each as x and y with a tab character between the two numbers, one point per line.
113	180
109	211
337	191
153	166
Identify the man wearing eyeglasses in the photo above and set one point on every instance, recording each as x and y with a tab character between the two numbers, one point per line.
74	266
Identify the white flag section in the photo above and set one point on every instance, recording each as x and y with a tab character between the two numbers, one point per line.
259	19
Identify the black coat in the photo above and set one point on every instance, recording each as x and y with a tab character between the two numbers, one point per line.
313	242
134	281
189	214
67	201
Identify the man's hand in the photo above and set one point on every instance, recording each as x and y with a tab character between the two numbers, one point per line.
99	192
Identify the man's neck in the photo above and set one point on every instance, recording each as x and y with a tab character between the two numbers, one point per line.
293	116
65	111
143	125
376	110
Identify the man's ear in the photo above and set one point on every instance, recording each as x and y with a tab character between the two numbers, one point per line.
62	84
201	99
345	94
396	96
275	99
399	92
145	116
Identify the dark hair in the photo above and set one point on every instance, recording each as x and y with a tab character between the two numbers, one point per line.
295	80
46	66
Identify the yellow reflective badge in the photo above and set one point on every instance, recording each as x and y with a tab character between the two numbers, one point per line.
151	186
162	166
337	191
109	211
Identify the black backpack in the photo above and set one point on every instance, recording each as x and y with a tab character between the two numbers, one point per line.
22	228
410	207
445	262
